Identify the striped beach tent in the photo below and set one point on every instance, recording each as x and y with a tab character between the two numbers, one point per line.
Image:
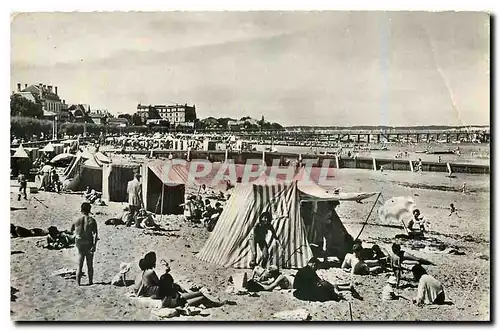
230	242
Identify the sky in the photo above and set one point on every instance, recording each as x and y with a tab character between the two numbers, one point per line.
295	68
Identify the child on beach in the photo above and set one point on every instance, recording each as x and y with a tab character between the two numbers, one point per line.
120	279
453	211
23	184
388	290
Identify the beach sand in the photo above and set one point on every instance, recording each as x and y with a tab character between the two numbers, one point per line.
466	278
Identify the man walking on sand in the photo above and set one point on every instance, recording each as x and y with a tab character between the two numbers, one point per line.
134	191
23	184
85	230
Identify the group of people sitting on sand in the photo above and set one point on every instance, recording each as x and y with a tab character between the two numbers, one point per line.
92	196
142	219
49	179
430	290
56	239
164	288
199	211
309	286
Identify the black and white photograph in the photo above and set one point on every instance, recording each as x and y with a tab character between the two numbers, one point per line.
306	165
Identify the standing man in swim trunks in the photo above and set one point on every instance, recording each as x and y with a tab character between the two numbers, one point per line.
85	230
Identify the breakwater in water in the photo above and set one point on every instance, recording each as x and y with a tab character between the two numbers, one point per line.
332	161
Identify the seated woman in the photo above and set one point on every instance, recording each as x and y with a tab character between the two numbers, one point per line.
354	263
173	295
309	286
147	284
268	279
430	291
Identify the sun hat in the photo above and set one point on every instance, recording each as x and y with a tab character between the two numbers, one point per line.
392	280
124	267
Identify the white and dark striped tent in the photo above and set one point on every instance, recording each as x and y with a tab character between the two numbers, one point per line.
230	242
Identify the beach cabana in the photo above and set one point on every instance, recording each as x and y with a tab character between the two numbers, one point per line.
115	180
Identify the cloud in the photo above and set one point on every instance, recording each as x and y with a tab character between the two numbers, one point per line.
319	68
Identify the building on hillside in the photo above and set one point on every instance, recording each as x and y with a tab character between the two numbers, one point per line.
174	114
46	95
99	116
78	113
147	113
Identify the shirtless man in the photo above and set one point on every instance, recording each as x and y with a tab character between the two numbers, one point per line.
85	230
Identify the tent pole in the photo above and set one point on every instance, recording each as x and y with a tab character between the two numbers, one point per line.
161	208
366	220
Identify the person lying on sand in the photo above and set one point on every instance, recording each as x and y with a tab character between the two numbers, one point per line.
114	221
59	239
310	287
268	279
173	295
399	257
20	232
353	262
430	291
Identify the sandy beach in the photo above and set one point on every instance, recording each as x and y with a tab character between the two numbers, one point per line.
466	278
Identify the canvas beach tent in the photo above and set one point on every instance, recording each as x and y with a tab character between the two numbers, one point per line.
84	171
20	161
49	148
163	186
301	214
115	180
20	153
